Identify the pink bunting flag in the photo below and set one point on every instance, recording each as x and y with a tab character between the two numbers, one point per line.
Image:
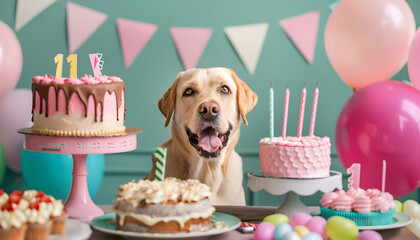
82	22
190	43
134	36
302	31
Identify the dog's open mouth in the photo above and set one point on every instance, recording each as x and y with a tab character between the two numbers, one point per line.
209	141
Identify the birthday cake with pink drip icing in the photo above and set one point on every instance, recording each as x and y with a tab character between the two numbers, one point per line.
89	106
292	157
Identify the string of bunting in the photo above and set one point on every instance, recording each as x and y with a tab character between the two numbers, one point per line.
247	40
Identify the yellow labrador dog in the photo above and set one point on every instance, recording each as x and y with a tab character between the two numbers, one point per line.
206	106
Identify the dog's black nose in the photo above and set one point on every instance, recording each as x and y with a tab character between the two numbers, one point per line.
209	110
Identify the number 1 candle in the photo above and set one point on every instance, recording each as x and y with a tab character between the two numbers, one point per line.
72	59
59	70
314	107
271	111
302	111
286	112
354	179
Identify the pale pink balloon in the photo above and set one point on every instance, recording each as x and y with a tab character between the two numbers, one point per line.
413	62
15	111
10	59
368	41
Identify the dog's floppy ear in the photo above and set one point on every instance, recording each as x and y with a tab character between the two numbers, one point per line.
167	103
246	98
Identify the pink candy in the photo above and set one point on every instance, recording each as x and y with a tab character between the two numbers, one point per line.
87	79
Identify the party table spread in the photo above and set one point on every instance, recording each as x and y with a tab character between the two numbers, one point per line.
253	214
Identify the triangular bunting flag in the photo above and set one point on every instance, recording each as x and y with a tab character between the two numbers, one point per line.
303	30
26	10
190	43
82	22
133	38
248	41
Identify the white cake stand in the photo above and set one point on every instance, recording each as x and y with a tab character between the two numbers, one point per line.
293	187
79	205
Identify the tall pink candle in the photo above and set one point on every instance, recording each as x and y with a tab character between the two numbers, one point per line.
286	112
314	108
302	112
354	179
383	175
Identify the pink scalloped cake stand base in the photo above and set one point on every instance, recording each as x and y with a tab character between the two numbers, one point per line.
79	204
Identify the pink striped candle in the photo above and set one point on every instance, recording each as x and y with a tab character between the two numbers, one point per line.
286	112
302	112
383	175
354	179
314	108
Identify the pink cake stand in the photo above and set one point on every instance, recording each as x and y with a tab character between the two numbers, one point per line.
79	205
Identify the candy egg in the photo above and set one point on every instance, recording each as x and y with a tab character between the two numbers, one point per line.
265	231
281	230
276	219
369	235
291	236
412	208
299	218
415	227
312	236
317	224
340	228
301	230
398	206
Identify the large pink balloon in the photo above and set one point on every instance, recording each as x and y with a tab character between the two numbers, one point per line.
15	112
368	40
382	122
413	62
10	59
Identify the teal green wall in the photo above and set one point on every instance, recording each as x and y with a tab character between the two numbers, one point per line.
156	67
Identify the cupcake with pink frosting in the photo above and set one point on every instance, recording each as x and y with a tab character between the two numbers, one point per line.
366	208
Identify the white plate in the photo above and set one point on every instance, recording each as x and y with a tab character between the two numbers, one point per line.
75	230
106	223
399	220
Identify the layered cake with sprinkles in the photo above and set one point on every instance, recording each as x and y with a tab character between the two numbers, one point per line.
293	157
89	106
168	206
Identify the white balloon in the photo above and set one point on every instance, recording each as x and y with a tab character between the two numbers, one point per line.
412	208
15	111
414	227
291	236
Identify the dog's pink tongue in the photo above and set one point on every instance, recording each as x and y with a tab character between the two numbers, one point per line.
209	143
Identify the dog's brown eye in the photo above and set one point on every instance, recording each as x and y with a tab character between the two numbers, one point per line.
188	92
225	90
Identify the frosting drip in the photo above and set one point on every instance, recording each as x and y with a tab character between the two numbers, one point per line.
83	87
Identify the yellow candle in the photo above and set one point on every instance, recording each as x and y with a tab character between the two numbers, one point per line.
59	70
72	59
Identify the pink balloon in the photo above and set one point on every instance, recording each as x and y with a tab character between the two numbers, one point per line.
413	62
382	122
368	40
10	59
15	111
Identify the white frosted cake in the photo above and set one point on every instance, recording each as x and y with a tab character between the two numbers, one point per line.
167	206
292	157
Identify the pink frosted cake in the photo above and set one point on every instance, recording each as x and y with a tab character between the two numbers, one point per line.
365	208
89	106
292	157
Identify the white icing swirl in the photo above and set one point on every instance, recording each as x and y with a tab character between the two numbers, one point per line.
9	220
156	192
40	216
3	199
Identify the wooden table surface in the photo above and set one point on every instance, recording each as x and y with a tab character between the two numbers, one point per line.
253	214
